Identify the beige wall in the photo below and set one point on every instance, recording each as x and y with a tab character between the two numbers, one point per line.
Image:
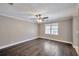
76	30
65	31
12	30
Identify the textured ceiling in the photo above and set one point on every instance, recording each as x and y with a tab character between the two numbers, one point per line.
26	11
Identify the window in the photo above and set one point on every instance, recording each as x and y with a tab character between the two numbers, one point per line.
51	29
47	29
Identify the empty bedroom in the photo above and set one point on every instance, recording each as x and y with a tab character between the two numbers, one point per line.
39	29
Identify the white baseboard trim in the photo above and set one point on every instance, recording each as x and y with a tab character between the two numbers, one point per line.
57	40
5	46
76	48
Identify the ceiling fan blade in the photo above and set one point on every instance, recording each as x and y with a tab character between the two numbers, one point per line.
45	17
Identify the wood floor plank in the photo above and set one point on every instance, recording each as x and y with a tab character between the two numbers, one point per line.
40	47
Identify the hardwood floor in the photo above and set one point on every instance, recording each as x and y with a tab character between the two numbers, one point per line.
39	47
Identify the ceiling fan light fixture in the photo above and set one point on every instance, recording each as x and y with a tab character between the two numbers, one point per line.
39	21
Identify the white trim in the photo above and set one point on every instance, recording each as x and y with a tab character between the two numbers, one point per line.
76	48
57	40
5	46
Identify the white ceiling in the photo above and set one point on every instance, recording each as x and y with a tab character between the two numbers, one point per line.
26	11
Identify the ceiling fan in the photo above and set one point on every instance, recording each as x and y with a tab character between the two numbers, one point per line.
40	18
